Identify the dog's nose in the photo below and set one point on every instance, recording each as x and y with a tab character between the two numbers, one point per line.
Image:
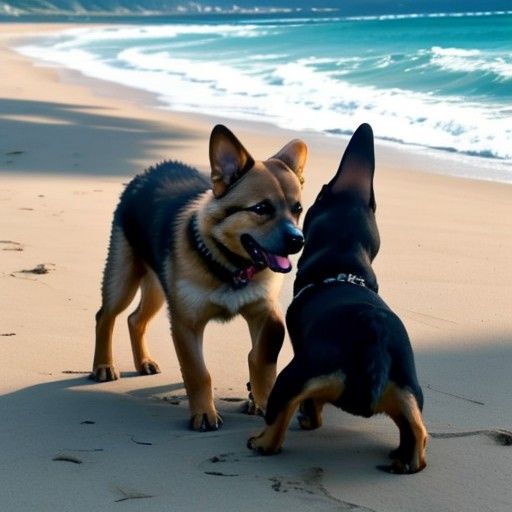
294	240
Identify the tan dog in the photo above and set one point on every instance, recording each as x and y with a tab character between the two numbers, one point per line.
212	250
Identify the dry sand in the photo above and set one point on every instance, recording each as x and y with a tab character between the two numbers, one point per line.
67	145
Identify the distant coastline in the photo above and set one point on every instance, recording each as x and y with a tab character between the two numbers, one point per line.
130	8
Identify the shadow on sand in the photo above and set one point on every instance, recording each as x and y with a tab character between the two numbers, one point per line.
87	442
79	139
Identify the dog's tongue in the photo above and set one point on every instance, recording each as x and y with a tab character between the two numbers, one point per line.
278	263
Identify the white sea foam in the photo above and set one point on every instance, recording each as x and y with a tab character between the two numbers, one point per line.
83	36
297	94
458	59
385	17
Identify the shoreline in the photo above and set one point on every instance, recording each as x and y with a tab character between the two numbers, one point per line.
67	147
445	162
155	134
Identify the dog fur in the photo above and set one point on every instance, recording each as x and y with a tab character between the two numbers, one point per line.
211	249
350	349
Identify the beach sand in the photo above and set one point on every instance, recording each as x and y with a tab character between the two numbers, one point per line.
67	146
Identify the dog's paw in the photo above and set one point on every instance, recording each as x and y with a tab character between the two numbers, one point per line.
309	417
205	423
104	373
261	445
399	467
149	367
307	422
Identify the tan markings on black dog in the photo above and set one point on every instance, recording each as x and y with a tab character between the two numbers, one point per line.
317	391
401	406
350	349
211	249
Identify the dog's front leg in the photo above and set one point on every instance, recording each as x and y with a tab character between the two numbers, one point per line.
267	334
188	342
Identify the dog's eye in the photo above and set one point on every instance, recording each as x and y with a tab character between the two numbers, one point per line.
263	208
296	209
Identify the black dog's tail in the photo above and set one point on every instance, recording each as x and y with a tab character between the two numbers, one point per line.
368	362
360	351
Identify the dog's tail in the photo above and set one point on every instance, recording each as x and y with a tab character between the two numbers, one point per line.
369	363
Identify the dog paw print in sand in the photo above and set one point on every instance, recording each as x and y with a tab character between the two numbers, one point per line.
40	269
10	245
219	465
309	483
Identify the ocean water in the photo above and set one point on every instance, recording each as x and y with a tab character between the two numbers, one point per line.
439	81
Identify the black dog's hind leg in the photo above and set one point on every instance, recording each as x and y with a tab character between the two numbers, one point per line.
293	385
402	407
310	414
405	448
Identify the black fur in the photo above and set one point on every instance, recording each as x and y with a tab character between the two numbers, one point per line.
150	205
339	326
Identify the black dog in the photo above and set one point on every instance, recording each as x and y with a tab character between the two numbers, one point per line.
350	349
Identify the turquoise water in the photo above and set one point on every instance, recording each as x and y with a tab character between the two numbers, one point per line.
438	81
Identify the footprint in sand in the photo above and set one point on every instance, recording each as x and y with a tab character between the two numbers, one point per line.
41	268
309	482
64	457
215	464
10	245
499	436
131	495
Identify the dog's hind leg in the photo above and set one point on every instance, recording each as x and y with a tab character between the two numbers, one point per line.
151	300
402	407
310	414
292	387
120	282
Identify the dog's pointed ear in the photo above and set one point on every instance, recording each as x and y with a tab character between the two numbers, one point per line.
357	166
229	160
294	155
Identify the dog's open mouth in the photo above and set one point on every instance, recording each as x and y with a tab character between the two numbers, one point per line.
262	258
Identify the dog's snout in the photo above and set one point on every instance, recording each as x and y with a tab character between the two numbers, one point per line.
294	239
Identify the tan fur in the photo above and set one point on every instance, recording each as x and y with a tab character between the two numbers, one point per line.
397	403
323	389
151	299
120	282
194	295
403	409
